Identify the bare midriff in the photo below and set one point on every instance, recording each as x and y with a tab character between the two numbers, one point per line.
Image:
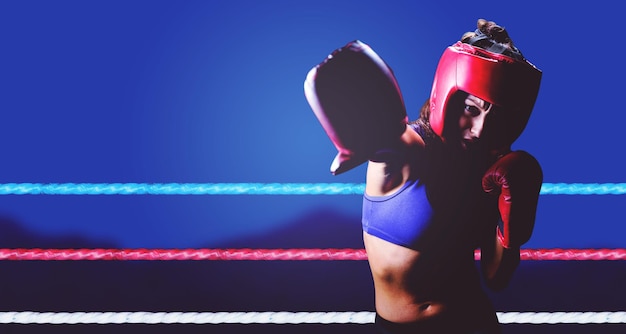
409	289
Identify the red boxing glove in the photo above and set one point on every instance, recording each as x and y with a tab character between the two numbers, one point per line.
356	99
516	178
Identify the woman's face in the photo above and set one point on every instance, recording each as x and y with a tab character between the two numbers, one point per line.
472	119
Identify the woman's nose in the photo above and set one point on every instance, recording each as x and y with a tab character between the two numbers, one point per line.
477	126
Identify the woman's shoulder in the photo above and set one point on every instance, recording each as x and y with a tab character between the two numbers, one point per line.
423	130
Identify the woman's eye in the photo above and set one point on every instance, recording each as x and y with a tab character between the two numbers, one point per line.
472	110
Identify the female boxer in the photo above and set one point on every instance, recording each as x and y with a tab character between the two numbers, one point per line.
440	187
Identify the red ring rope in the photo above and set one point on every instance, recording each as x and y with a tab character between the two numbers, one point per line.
271	254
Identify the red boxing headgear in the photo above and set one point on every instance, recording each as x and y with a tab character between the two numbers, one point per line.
498	79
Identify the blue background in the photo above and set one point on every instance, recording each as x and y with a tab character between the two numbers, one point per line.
212	91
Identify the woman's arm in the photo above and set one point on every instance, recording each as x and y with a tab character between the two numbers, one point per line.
388	170
516	180
498	263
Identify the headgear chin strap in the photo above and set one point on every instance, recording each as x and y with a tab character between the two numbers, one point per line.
512	84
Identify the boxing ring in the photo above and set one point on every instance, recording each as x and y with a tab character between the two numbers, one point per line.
281	317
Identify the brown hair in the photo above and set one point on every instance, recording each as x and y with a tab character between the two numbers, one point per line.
492	37
490	29
424	120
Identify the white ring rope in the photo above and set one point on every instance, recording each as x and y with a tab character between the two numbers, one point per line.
363	317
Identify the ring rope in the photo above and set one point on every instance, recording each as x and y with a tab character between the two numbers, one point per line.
257	189
272	254
269	254
364	317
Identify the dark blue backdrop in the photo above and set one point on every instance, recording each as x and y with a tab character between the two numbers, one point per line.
211	91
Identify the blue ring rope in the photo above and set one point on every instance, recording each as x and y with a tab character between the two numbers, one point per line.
257	189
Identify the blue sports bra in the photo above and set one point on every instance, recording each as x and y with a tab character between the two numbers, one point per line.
400	218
